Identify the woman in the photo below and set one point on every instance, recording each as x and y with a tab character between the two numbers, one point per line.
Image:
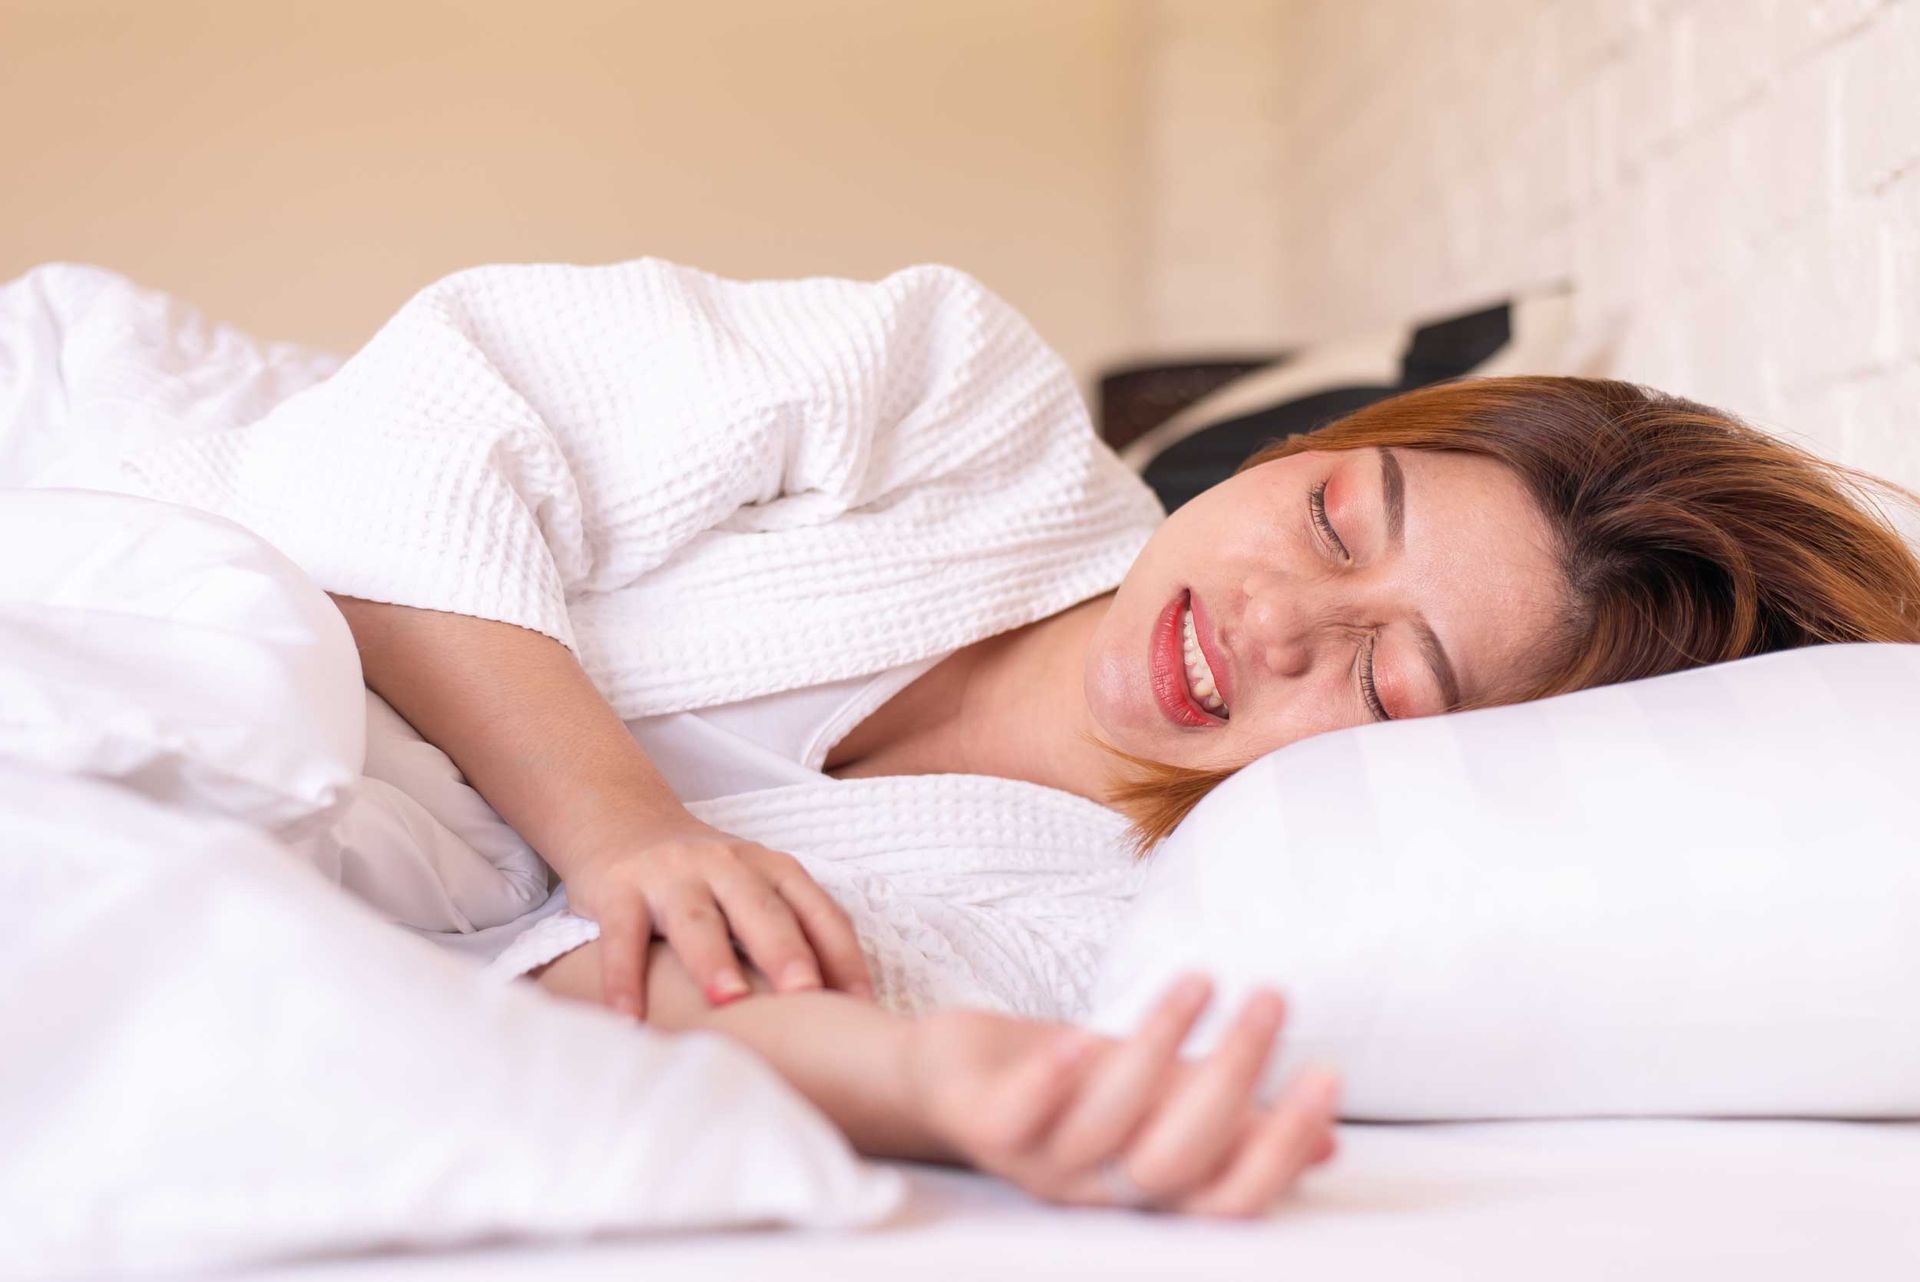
1464	545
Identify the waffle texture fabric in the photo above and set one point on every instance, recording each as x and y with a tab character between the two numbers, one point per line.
965	890
709	489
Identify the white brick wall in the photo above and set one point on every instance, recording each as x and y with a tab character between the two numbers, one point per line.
1732	186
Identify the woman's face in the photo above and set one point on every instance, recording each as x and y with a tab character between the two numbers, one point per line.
1325	590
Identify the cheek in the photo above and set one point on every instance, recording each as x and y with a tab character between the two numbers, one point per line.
1112	670
1234	520
1308	711
1101	678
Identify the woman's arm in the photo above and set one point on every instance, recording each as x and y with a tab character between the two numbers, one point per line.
525	725
810	1037
1066	1115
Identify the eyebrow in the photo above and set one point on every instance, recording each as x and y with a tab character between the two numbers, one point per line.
1393	498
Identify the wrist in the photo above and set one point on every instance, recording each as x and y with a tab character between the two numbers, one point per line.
863	1066
600	831
907	1078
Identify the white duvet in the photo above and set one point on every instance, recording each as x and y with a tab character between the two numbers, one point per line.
212	1057
211	1053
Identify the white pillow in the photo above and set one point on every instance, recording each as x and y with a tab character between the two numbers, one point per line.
1697	894
175	653
213	1058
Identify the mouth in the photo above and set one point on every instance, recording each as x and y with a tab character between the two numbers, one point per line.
1183	678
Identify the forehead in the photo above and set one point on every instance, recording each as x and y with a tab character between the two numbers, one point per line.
1479	562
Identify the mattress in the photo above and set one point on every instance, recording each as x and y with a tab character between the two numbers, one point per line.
1493	1202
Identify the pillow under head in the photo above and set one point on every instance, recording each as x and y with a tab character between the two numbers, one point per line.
1695	894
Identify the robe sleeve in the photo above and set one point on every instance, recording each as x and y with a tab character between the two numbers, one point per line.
517	437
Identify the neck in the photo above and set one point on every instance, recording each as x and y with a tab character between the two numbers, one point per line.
1024	707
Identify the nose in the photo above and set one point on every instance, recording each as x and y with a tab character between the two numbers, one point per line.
1277	626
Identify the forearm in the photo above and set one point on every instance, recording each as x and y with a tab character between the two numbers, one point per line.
845	1055
518	715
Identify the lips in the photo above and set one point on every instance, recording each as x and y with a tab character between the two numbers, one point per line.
1167	670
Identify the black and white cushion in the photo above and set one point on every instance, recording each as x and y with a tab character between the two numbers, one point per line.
1203	443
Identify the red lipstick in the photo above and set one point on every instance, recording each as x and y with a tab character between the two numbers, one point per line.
1166	664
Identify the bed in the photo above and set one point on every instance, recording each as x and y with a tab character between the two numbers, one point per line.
1492	1202
1757	1199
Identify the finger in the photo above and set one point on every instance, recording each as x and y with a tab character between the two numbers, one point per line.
830	931
697	932
1194	1127
1297	1133
769	934
624	933
1036	1090
1120	1091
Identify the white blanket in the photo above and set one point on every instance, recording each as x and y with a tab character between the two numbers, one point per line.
212	1057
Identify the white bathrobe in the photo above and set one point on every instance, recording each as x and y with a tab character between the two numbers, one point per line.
713	490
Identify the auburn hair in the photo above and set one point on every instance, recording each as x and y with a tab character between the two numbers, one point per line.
1684	537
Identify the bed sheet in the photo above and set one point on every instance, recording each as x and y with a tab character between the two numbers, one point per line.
1492	1202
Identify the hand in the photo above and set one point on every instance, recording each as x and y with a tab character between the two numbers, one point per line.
693	883
1085	1120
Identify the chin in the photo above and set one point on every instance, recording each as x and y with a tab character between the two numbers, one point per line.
1120	702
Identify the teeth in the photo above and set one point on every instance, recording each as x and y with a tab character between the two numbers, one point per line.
1199	675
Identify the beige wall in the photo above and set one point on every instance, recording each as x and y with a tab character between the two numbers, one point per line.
1217	74
300	168
1733	188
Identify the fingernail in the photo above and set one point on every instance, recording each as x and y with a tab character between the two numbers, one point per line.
727	986
1322	1085
1266	1006
799	975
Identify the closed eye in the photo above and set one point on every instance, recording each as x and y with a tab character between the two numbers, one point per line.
1317	505
1367	688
